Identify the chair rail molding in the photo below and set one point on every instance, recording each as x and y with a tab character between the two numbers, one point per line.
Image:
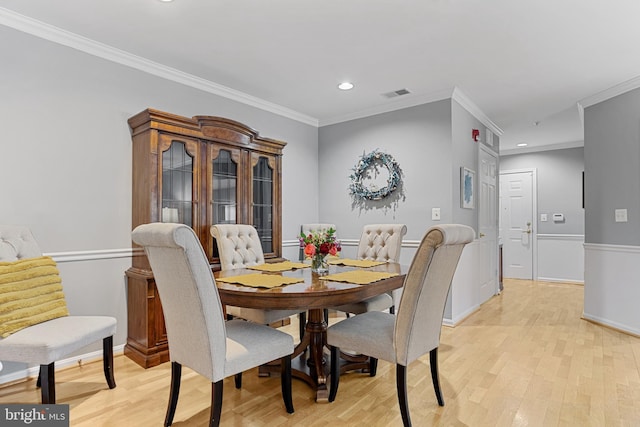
91	255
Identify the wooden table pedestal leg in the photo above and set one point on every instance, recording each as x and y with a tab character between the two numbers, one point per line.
317	362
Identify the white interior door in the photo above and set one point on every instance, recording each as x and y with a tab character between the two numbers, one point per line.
516	223
488	223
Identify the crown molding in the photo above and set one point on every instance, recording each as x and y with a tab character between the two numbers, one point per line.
412	101
475	111
616	90
399	104
548	147
57	35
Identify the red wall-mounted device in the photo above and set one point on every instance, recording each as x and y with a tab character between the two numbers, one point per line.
475	134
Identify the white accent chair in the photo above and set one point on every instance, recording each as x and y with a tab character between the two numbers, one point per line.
415	330
378	242
197	333
239	247
46	342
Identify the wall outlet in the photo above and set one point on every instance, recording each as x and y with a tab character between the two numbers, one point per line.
435	214
621	215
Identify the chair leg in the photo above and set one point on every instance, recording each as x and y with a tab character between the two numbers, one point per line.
285	383
47	383
216	403
373	366
433	361
238	380
335	373
401	387
326	315
302	320
176	373
107	361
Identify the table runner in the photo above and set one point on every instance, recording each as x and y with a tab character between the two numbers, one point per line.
258	280
359	277
279	266
362	263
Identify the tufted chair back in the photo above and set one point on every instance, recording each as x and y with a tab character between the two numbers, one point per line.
381	242
238	245
312	228
17	242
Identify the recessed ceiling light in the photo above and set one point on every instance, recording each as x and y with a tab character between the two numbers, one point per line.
166	1
345	86
522	144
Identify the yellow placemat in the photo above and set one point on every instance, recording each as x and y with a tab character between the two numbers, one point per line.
363	263
358	277
258	280
279	266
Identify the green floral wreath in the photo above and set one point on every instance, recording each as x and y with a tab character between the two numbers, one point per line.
362	170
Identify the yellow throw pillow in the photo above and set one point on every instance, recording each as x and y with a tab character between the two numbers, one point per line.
30	293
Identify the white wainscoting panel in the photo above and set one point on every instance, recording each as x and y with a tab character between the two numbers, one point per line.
464	296
612	287
561	258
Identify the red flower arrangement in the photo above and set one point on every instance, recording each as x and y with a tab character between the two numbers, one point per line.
318	245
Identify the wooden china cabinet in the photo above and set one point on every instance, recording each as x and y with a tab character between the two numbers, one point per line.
197	171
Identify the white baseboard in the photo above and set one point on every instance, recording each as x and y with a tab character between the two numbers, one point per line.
459	317
611	324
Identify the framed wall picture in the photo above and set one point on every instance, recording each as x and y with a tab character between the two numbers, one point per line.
467	188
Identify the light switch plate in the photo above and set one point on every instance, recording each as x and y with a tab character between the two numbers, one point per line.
621	215
543	217
435	214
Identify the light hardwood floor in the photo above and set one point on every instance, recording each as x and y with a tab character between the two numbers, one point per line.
524	359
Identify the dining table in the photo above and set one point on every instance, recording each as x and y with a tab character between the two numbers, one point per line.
313	293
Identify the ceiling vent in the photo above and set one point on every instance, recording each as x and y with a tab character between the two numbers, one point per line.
396	93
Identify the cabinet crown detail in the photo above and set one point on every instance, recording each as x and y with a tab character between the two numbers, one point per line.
204	127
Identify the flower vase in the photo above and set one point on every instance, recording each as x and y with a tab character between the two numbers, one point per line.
319	264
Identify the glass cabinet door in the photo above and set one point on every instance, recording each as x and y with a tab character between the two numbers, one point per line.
178	184
263	200
225	188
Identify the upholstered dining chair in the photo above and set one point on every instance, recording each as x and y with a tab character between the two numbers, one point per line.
239	247
415	330
45	343
197	333
378	242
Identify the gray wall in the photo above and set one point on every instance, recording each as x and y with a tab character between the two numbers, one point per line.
65	162
612	181
612	169
419	138
559	183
